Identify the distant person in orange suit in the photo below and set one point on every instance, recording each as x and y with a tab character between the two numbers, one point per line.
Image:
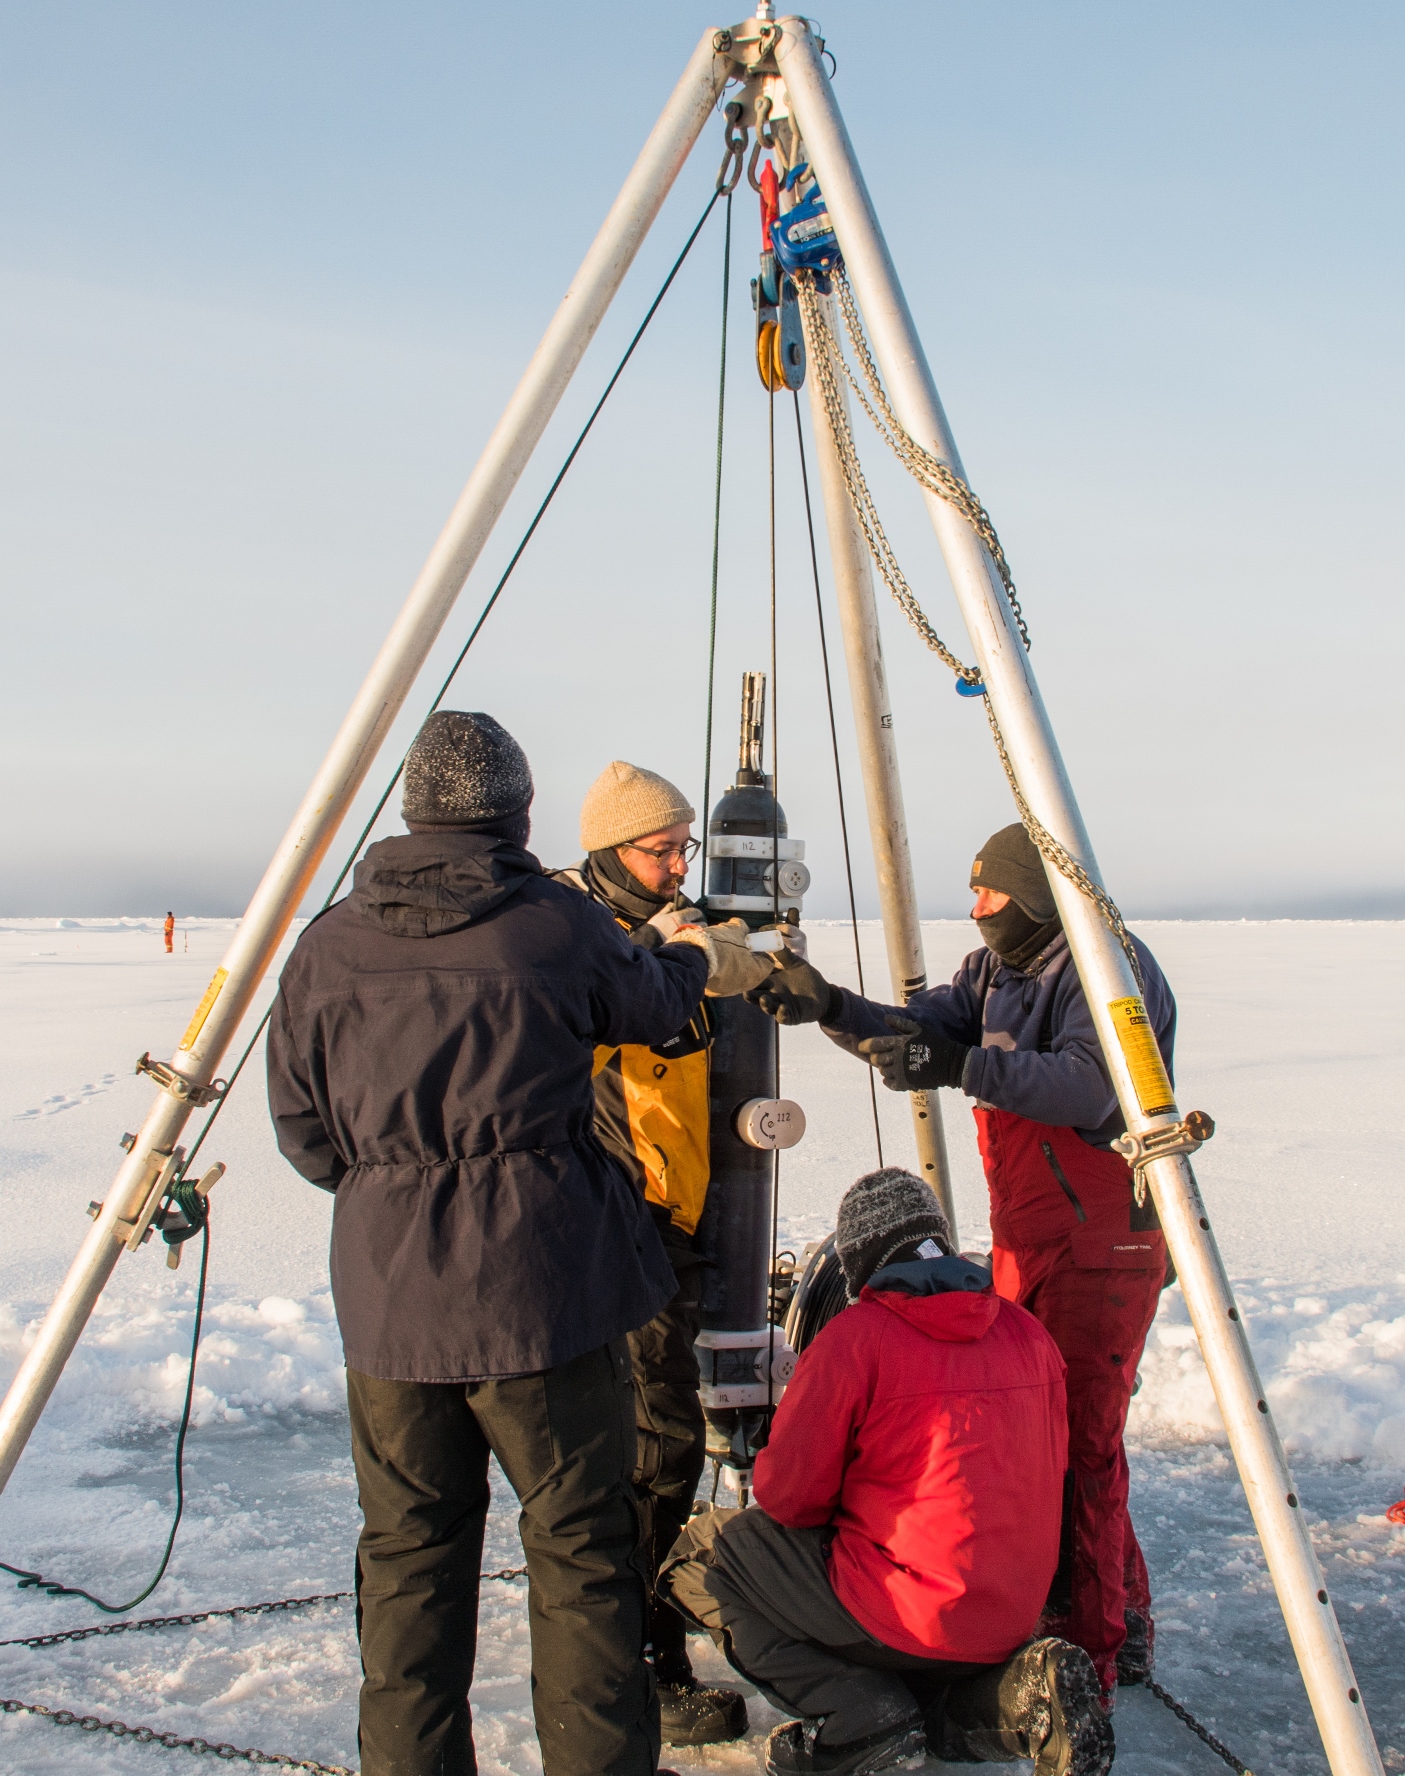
170	930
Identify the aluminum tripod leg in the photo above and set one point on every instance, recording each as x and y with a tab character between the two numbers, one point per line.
1102	966
377	704
878	760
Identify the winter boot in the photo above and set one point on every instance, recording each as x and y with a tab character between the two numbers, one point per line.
1136	1657
696	1714
1044	1704
796	1749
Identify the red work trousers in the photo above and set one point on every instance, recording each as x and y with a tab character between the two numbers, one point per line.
1066	1248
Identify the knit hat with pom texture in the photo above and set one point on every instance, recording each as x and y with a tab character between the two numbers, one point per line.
464	769
625	802
881	1214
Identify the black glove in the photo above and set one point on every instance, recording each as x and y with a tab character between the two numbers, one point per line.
796	993
914	1059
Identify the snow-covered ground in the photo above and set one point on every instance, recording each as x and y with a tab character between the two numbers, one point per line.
1291	1036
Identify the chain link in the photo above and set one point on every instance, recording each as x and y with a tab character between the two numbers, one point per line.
827	361
92	1723
188	1620
1183	1714
930	471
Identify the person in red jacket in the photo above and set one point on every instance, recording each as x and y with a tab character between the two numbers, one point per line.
1014	1032
885	1586
169	930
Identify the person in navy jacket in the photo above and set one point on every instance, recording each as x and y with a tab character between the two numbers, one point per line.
1014	1032
886	1585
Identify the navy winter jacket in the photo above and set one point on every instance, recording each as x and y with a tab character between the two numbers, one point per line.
429	1060
1033	1047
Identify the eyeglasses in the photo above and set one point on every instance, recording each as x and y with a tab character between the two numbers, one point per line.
687	851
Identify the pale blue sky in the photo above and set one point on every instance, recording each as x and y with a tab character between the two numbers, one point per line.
269	272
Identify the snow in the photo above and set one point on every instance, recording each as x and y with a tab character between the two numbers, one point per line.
1291	1036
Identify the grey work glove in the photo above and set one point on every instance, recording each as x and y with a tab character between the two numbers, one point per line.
731	966
795	992
913	1059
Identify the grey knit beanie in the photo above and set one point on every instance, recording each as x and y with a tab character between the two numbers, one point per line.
1007	863
464	769
881	1214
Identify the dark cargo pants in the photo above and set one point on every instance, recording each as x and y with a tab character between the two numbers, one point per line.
565	1440
672	1439
763	1593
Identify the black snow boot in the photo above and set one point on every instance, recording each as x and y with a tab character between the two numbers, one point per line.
1136	1657
696	1714
1043	1704
796	1749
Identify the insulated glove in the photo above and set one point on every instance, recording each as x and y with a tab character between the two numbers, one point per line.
668	923
913	1059
731	967
796	993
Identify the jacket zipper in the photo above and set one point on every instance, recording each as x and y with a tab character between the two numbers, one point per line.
1062	1181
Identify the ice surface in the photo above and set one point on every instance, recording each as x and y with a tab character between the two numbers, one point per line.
1291	1036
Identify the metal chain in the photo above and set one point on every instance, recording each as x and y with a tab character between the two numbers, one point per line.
823	350
188	1620
92	1723
929	470
828	362
1183	1714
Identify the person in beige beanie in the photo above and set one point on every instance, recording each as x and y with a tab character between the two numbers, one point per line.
651	1112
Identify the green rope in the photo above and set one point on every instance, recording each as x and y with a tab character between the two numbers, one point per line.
33	1581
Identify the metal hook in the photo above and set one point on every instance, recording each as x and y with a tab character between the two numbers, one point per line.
730	172
763	112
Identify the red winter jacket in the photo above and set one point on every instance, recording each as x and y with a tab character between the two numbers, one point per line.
931	1431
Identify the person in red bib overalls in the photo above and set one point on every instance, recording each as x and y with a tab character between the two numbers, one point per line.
169	930
1014	1031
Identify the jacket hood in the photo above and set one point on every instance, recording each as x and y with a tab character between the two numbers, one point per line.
943	1298
428	884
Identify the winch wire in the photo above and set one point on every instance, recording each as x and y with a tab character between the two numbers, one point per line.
834	747
716	536
53	1587
775	881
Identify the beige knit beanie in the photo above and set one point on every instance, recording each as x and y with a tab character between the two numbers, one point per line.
624	802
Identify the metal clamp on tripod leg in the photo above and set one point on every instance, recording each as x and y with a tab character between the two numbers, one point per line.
1187	1136
179	1086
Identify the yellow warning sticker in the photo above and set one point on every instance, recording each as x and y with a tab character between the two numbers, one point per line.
1143	1057
205	1007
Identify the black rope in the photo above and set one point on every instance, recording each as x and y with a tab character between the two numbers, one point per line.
834	747
716	537
53	1587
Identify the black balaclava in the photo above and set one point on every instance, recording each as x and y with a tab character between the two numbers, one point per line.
1008	863
614	882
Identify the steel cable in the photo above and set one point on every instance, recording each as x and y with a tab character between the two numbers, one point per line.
834	747
716	536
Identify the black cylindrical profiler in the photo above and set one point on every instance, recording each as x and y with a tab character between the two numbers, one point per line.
735	1230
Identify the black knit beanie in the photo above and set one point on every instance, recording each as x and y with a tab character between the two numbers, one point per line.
881	1214
1008	863
465	771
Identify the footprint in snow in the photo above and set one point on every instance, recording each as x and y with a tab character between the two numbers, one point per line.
69	1100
